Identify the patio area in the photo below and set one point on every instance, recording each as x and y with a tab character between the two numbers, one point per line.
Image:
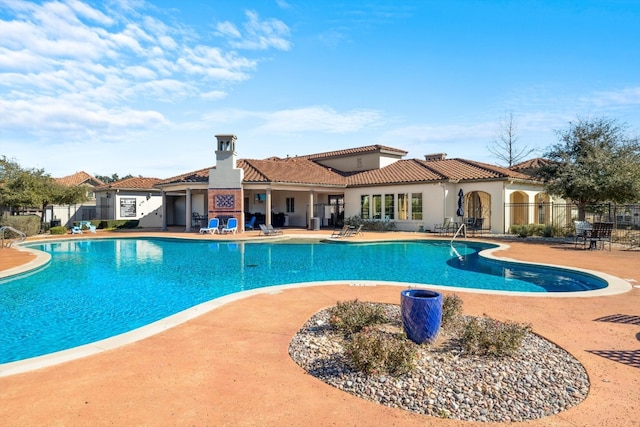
231	366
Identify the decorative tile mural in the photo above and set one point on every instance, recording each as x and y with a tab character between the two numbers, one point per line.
224	201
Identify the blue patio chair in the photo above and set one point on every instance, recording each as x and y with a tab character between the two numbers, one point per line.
83	225
232	226
249	225
212	227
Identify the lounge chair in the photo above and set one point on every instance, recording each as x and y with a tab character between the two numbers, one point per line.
274	230
342	232
86	225
447	226
231	227
264	230
268	230
355	232
249	225
212	227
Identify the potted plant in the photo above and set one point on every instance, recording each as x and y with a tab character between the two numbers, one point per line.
421	311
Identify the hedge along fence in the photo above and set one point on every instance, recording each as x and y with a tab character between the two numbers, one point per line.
116	223
30	224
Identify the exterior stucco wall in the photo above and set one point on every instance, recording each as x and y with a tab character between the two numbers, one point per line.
359	162
432	203
522	193
440	200
143	206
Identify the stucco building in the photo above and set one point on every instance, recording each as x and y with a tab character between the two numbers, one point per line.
374	182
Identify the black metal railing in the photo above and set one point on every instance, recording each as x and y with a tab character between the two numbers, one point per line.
560	216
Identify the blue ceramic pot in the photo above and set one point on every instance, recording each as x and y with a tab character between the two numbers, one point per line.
421	314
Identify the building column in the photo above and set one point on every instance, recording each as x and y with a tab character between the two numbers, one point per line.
310	211
267	209
164	210
187	209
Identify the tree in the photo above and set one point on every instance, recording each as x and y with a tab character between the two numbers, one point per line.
594	162
113	178
28	188
504	147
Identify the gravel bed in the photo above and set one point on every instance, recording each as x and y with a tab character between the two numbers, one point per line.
541	380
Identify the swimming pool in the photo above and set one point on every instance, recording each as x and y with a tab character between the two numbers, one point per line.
95	289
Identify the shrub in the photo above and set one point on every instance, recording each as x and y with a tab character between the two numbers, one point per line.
110	224
352	316
372	351
527	230
59	229
491	337
451	311
28	224
370	224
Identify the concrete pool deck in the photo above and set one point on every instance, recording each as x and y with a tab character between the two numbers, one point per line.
230	366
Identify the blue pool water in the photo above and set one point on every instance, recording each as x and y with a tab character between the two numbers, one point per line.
95	289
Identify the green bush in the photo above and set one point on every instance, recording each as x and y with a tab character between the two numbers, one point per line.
451	311
375	352
352	316
28	224
491	337
111	224
60	229
526	230
370	225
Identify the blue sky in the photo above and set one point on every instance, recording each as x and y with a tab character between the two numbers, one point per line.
141	87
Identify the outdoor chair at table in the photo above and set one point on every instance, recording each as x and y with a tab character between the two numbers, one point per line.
582	230
474	225
600	233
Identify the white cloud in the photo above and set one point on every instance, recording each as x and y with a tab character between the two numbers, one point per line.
213	95
258	34
89	12
228	29
442	133
76	71
629	96
291	121
319	119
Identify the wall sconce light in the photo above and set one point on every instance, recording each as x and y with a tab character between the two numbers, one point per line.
148	196
108	195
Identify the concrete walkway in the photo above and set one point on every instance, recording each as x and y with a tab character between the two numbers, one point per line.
230	366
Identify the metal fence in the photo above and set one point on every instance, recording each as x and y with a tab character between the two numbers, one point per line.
625	218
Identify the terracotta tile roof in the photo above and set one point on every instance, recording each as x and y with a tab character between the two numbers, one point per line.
294	170
415	171
358	150
306	170
79	178
530	164
402	171
134	183
201	175
465	170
